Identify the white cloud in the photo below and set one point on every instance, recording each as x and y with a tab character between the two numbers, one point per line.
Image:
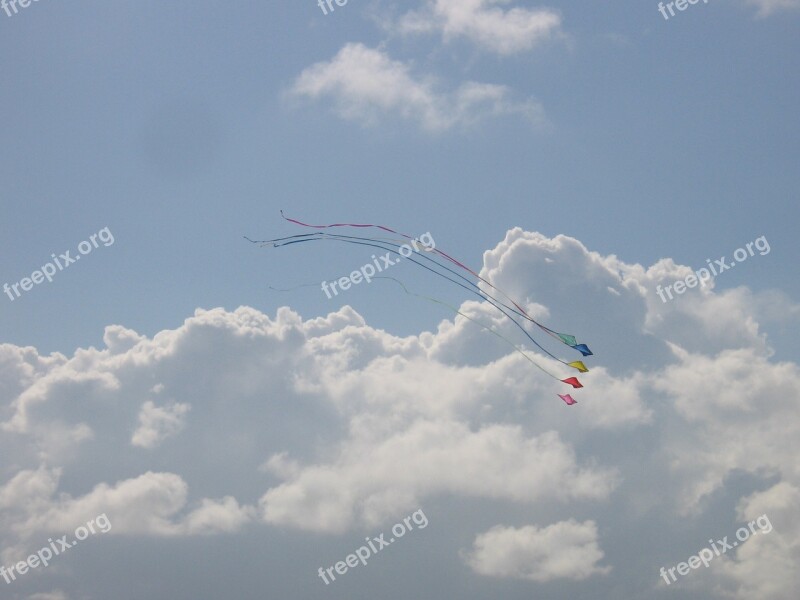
157	423
54	595
334	425
151	504
765	566
767	8
381	477
485	23
29	489
735	407
217	516
365	84
564	550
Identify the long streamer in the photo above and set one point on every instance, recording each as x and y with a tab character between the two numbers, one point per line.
376	243
567	339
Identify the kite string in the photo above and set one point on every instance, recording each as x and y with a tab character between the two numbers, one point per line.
477	290
485	327
551	332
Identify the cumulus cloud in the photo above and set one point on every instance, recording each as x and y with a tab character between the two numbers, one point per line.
365	84
485	23
383	477
765	566
734	391
334	425
564	550
156	423
150	504
767	8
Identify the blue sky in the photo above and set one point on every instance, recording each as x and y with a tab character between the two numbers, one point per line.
182	127
171	126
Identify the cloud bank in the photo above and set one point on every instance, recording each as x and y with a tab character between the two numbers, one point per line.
335	428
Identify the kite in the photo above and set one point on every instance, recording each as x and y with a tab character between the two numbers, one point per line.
449	268
565	338
380	243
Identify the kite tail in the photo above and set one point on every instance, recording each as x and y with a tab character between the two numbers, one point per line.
377	243
571	381
549	331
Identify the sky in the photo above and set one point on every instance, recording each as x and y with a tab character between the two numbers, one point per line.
239	431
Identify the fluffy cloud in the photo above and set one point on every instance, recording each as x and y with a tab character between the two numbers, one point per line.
734	391
765	566
146	505
768	8
335	426
385	476
156	423
485	23
565	550
365	84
